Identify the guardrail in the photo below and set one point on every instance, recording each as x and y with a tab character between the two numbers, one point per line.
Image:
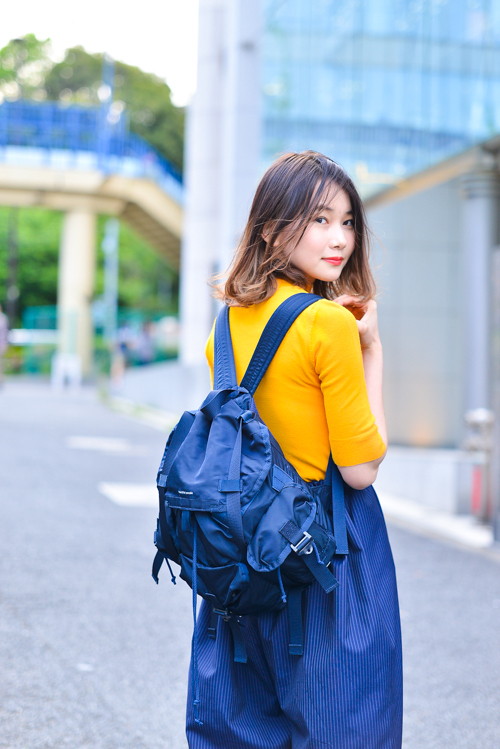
75	137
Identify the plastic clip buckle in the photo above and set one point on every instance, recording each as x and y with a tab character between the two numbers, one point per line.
304	546
224	613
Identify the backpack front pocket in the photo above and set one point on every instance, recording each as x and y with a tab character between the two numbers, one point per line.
232	586
268	549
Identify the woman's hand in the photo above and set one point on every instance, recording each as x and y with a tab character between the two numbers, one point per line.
366	319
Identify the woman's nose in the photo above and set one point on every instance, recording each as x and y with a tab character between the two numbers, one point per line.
337	236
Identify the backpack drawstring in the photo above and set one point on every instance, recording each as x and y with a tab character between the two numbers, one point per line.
316	552
283	593
172	576
196	685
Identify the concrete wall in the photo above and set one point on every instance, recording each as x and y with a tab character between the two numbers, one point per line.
419	273
222	158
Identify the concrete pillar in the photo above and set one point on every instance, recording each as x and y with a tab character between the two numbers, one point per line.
202	181
479	237
222	158
496	393
241	131
76	286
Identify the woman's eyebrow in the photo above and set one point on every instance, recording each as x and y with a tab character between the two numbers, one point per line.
326	207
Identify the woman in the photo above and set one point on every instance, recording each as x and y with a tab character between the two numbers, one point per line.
322	393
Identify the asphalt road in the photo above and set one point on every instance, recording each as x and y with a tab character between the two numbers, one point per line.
93	654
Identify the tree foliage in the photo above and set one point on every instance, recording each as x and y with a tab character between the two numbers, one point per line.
26	70
146	281
24	64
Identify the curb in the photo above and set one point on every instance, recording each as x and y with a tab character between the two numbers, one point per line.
461	530
164	421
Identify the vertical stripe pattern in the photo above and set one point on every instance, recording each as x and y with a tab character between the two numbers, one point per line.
345	692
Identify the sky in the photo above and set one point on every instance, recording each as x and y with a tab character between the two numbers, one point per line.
158	36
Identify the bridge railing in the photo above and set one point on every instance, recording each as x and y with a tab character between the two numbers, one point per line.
78	137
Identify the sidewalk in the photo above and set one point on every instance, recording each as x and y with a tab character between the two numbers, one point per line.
462	529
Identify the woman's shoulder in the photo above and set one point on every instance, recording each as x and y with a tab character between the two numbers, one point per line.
329	314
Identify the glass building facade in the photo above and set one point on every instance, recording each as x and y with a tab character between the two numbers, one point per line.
384	87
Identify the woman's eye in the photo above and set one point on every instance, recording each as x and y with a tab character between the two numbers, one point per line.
349	222
320	219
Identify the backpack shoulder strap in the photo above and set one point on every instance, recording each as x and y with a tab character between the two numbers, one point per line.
224	368
272	336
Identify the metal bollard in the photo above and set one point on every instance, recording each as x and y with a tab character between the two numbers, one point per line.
480	445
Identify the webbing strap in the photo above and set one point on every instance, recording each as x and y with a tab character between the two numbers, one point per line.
321	572
295	627
194	644
272	336
212	627
215	611
157	563
240	652
161	557
338	507
304	542
233	501
214	402
224	369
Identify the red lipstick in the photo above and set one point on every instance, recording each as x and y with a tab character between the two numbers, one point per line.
333	260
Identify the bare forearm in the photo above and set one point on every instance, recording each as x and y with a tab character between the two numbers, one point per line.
373	368
364	474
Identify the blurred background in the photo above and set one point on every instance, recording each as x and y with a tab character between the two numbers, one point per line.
131	144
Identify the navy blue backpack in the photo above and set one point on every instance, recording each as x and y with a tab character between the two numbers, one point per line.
248	532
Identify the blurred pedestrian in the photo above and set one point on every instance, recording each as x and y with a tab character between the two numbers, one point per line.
4	339
145	351
320	396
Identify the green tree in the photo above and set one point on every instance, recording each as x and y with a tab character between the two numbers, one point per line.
144	96
38	234
26	71
24	64
146	281
154	289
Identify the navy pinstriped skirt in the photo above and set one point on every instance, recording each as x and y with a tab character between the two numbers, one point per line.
345	692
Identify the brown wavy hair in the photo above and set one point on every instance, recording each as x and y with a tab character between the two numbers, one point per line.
287	199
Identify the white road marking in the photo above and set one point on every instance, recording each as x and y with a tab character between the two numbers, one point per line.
115	445
84	667
130	495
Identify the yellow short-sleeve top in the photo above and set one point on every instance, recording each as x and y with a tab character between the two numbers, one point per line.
313	396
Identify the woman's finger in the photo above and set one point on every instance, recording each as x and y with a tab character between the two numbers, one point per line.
357	310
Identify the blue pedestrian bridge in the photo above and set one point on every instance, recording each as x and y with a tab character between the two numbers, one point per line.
69	156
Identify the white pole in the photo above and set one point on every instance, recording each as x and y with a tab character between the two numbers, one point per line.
110	249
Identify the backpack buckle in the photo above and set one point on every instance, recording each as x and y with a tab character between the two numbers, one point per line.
304	546
223	613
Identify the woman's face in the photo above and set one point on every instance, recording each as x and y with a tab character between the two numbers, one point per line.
328	241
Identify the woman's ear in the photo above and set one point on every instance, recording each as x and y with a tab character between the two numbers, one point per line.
268	233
